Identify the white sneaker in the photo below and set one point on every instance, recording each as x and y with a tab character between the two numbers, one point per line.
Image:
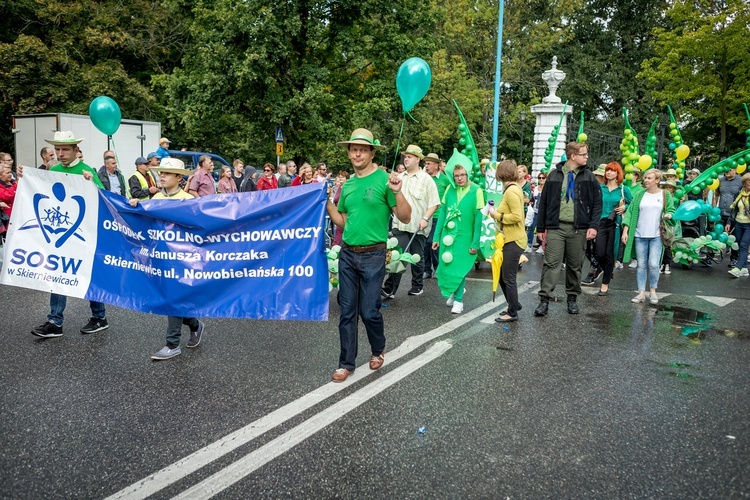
667	270
618	265
735	272
458	308
450	301
637	299
528	249
654	299
633	264
540	250
744	273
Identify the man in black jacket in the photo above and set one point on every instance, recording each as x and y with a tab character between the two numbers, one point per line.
570	207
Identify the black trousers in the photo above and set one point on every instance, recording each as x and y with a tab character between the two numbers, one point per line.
508	273
417	270
605	248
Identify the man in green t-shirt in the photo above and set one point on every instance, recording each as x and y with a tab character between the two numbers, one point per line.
366	202
66	148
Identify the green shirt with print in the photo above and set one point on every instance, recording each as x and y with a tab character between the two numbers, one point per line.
77	168
367	203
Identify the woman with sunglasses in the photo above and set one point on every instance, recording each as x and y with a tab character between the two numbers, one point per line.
268	180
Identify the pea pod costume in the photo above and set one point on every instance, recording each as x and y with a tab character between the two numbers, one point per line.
458	229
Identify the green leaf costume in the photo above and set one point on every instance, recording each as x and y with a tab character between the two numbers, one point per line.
461	220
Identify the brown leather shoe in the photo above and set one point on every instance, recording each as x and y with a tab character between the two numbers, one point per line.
341	374
377	361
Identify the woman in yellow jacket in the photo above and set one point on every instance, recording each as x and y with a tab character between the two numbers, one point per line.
509	218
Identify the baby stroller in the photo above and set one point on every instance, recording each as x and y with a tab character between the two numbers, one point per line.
691	247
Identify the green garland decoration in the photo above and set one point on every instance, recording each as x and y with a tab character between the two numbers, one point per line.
469	148
552	142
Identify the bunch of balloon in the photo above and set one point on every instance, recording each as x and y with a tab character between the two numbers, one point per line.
413	80
629	149
469	149
680	150
646	160
552	142
105	115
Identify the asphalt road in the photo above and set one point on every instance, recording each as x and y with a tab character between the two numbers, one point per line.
621	400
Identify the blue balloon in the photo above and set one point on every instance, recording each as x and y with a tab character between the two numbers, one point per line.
690	210
105	115
412	82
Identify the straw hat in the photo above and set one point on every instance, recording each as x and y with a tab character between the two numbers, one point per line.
413	150
432	157
671	171
600	170
362	136
63	138
172	166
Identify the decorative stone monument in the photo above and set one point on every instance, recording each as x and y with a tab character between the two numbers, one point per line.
547	116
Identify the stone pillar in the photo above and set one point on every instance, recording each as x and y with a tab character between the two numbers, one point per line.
547	116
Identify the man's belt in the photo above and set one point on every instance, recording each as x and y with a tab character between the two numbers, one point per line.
366	248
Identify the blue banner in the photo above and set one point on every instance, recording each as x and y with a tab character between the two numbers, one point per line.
243	255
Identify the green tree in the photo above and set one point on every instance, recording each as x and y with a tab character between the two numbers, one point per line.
317	69
701	69
67	53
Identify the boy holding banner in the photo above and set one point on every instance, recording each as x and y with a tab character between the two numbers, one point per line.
66	148
170	173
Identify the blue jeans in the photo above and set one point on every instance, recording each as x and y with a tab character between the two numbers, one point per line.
57	305
360	277
742	233
648	253
530	231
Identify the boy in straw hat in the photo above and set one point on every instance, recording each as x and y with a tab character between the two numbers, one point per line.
170	173
366	202
66	148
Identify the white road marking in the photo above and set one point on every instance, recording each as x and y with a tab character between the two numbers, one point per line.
719	301
186	466
256	459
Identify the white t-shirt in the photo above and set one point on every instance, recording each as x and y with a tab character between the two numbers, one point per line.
649	215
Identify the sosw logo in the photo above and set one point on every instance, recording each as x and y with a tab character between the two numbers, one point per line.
58	219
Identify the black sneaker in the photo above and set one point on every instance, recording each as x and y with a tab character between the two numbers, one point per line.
48	330
598	274
589	280
386	295
195	337
95	325
416	291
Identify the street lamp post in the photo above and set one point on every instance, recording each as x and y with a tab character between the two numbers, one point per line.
523	127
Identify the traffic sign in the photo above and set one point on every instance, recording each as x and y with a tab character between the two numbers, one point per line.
279	135
279	149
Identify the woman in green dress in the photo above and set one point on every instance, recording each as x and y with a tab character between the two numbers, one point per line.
457	235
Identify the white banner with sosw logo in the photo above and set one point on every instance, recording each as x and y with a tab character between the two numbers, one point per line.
52	236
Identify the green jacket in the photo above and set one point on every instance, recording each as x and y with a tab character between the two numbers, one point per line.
630	219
